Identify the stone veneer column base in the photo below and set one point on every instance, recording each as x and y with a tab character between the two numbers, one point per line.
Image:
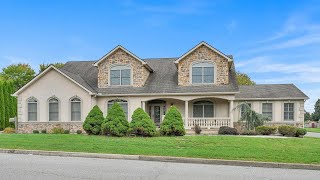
28	127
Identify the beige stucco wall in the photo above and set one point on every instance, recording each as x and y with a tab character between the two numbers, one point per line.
139	73
278	109
203	53
49	85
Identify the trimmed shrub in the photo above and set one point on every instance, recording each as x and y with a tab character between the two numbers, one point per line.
301	132
66	131
248	133
141	124
44	131
172	124
116	123
286	130
266	130
197	129
79	131
9	130
35	132
57	130
93	122
228	130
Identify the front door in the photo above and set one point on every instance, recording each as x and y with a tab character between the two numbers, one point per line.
156	112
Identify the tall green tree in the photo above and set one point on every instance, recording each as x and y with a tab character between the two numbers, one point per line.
244	79
43	66
20	74
2	108
307	116
316	114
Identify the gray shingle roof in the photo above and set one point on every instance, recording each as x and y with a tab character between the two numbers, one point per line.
164	80
271	91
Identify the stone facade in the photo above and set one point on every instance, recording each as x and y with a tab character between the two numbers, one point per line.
203	53
139	72
28	127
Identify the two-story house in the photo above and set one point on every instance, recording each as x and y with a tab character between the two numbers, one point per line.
201	84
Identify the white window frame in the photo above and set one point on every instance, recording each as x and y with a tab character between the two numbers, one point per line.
78	101
32	100
120	101
203	64
59	112
120	67
288	111
203	103
271	118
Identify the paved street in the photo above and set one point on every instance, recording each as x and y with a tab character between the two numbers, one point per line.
16	166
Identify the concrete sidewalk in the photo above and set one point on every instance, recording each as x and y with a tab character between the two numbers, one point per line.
165	159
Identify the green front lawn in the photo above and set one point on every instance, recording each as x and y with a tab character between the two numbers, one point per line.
317	130
291	150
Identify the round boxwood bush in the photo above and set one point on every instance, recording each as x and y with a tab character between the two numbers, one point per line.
172	124
301	132
226	130
44	131
35	132
287	130
92	124
79	131
266	130
66	131
141	124
116	123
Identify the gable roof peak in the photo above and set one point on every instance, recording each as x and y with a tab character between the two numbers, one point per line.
125	50
207	45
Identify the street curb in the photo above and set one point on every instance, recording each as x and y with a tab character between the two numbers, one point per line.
165	159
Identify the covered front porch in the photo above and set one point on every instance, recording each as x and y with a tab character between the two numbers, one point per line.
207	112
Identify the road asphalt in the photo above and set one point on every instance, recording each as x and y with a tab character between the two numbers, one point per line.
22	166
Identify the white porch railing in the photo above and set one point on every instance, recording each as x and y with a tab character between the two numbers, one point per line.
215	122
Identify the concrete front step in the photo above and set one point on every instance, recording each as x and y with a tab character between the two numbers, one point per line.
204	131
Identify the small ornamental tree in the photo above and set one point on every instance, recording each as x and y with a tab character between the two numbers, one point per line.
116	123
141	124
92	124
172	124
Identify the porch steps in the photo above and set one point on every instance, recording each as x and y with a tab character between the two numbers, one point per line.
213	131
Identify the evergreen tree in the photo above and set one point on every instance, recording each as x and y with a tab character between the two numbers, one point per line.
307	116
2	108
316	114
141	124
172	124
92	124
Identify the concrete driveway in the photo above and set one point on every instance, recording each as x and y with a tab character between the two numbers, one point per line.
18	166
312	134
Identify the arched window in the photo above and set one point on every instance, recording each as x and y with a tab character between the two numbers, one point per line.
203	73
120	75
123	104
53	109
32	109
75	109
202	109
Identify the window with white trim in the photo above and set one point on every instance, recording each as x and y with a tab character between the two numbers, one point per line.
288	111
32	109
203	73
53	109
120	75
75	109
267	110
202	109
123	104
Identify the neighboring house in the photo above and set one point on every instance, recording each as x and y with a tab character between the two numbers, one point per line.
201	84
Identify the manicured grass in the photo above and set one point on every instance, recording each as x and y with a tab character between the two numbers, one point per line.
291	150
317	130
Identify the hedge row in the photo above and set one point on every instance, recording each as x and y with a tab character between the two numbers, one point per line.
8	108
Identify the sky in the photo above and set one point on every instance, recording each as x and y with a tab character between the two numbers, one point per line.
274	41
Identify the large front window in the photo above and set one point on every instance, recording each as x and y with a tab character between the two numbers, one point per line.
202	73
123	104
203	109
267	110
288	111
75	109
32	109
120	75
53	109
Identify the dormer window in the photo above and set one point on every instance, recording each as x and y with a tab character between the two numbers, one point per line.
120	75
203	73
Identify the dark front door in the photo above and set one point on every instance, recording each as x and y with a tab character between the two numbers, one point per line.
157	114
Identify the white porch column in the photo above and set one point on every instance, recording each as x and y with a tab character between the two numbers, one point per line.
186	113
143	104
231	112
